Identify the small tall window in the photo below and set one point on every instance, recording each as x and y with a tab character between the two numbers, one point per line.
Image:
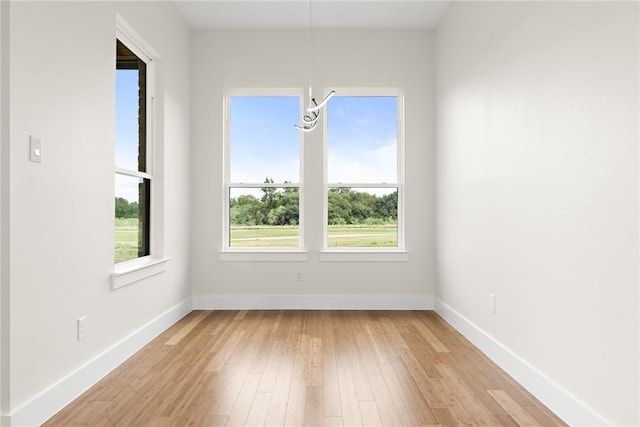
133	175
364	172
262	184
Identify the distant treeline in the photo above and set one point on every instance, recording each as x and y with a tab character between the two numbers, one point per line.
281	207
124	209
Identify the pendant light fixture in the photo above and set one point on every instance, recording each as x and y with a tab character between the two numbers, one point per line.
310	120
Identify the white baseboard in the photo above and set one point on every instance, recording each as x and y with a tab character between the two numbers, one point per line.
313	302
560	401
50	401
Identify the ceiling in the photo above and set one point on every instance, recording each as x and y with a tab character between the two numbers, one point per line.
325	14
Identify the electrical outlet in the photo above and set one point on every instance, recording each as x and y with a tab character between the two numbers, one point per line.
299	276
82	328
492	303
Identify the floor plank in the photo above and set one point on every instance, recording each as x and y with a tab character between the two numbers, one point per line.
194	318
348	398
259	408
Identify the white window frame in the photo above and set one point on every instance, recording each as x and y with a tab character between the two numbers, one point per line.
138	269
367	254
229	253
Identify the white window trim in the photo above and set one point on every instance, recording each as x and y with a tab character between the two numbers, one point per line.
228	253
132	271
272	255
129	272
398	253
364	255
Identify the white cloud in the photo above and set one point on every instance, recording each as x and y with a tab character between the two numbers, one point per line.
256	170
359	164
127	187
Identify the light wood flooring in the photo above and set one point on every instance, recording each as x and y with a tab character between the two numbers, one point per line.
307	368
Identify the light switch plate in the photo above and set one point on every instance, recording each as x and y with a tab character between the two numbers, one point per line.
35	149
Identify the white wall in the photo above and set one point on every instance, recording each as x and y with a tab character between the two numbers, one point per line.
224	59
537	187
4	209
62	90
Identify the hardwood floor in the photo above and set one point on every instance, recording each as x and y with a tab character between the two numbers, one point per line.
310	368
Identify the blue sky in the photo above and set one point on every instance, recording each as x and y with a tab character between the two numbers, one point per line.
362	139
361	143
127	119
127	132
264	141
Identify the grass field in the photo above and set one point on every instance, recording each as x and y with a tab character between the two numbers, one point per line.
363	236
350	236
126	247
264	236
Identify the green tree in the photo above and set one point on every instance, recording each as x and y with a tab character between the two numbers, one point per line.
386	207
125	209
339	206
270	196
362	206
277	216
247	210
290	202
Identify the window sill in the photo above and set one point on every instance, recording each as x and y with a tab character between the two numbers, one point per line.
363	256
130	272
272	255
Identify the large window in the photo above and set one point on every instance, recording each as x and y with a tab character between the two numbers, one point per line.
262	173
364	171
362	164
133	177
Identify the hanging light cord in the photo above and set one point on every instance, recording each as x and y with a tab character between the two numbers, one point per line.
309	121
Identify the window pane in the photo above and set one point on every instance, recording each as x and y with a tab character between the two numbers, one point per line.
362	134
264	218
131	217
263	141
127	123
362	217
